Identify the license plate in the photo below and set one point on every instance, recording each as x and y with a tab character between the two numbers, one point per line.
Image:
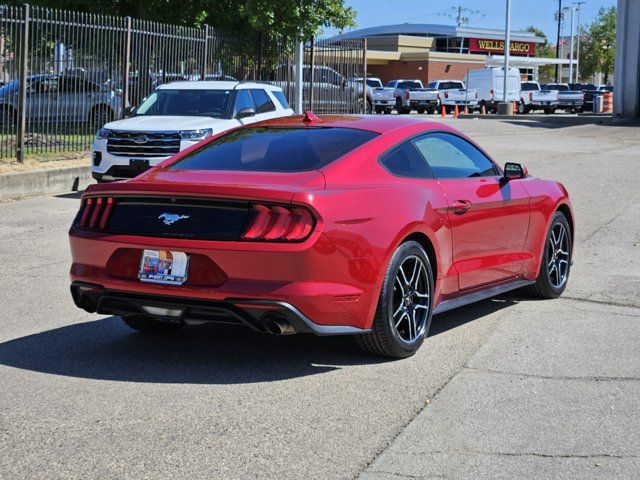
161	266
423	102
139	165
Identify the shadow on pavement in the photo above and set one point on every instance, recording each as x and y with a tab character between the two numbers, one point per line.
106	349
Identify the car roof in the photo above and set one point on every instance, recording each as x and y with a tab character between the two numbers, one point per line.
216	85
373	123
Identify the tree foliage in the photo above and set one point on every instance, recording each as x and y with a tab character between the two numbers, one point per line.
543	50
292	18
597	48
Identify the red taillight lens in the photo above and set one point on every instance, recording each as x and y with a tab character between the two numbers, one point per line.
491	94
95	212
395	94
530	96
446	94
406	95
279	223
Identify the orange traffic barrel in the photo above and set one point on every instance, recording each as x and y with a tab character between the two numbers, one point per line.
607	103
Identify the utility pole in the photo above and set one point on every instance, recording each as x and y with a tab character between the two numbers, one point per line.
578	6
558	43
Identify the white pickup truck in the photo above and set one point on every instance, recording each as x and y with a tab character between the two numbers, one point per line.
381	99
176	116
532	97
452	93
411	95
568	99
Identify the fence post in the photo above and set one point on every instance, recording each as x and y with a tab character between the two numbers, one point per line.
311	72
126	63
205	54
299	60
364	77
22	82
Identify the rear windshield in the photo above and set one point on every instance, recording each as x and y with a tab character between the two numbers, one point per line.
450	85
558	86
271	149
409	85
529	86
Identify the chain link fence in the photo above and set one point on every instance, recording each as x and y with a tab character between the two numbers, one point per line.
64	74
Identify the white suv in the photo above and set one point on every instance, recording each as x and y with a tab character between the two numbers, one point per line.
176	116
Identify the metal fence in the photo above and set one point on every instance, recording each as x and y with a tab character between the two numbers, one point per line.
65	73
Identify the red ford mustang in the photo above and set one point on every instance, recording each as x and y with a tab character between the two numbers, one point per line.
335	225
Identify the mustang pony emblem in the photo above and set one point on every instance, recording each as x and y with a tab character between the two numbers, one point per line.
169	218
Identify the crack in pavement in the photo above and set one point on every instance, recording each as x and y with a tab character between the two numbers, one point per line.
552	377
521	454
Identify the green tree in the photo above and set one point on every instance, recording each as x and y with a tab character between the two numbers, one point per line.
543	50
291	18
597	48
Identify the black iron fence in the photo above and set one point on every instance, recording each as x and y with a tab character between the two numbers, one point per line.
64	74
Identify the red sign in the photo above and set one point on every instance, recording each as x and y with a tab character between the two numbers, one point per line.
480	45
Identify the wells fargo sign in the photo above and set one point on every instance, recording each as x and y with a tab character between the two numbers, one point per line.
479	45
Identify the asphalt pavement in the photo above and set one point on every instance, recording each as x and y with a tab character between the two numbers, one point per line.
507	388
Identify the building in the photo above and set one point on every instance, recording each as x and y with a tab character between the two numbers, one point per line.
432	52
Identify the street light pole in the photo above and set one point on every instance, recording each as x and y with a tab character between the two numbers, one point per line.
571	49
507	44
579	5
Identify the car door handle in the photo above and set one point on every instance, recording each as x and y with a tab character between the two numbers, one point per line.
461	206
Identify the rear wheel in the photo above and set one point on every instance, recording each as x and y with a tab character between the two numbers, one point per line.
549	110
151	325
556	260
420	111
379	110
403	315
100	116
388	110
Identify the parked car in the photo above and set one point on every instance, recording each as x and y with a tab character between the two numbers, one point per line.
452	93
589	91
342	225
532	97
379	99
571	100
61	99
489	83
411	95
176	116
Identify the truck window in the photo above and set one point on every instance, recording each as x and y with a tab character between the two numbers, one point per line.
450	85
409	85
529	86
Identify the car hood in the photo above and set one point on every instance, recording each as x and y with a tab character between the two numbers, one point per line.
162	123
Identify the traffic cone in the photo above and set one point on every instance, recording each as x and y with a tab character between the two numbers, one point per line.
465	111
444	112
456	112
515	108
483	110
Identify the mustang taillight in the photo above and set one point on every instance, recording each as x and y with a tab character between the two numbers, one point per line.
95	212
279	223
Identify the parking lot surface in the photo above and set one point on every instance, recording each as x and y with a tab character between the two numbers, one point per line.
506	388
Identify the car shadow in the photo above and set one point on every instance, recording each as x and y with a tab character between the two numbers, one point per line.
107	349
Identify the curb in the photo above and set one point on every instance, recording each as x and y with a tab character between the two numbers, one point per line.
43	182
557	119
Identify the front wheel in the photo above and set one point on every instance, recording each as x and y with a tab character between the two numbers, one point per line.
522	109
556	260
403	315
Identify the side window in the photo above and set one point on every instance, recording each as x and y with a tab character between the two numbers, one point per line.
243	100
431	85
405	161
450	156
281	98
262	101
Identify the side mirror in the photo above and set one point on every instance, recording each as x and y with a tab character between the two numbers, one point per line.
129	111
514	171
246	112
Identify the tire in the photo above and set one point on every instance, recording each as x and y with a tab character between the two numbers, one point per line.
522	109
549	111
431	110
420	110
388	110
555	267
396	335
100	116
8	116
151	325
379	110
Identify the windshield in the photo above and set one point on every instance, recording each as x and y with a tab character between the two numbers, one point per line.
450	85
275	149
199	103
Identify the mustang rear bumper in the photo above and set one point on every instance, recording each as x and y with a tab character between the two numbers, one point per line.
251	313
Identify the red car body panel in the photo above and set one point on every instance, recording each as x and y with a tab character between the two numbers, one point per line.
363	213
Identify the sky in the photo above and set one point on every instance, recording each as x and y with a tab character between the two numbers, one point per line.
539	13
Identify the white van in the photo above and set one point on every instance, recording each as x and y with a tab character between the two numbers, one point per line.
489	84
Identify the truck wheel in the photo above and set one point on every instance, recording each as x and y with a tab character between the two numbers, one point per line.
388	110
99	116
430	110
8	116
399	107
420	111
549	110
378	109
522	109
